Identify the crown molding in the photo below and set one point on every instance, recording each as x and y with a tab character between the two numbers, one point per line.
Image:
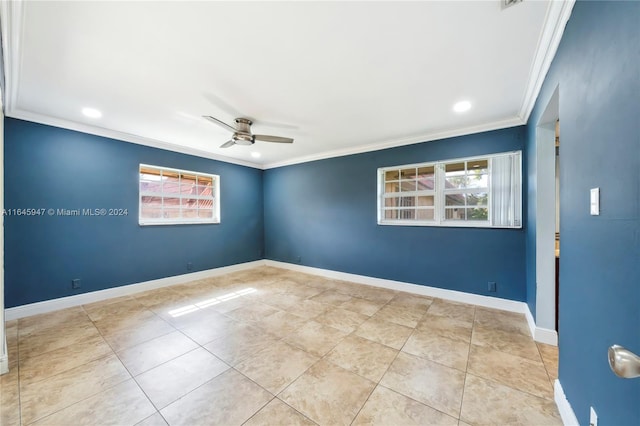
122	136
555	22
428	137
12	18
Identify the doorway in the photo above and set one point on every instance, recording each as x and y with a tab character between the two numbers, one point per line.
547	219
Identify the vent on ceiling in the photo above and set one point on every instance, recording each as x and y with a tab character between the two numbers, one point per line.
507	3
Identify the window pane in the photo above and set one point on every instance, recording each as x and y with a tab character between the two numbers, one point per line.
407	201
426	184
204	191
425	200
455	175
455	181
478	214
172	202
148	201
391	175
150	213
406	214
188	184
424	214
390	214
189	202
189	213
426	177
475	180
171	213
148	173
205	204
392	187
150	186
426	172
453	169
205	213
479	166
391	202
454	214
454	200
408	173
479	199
171	183
408	185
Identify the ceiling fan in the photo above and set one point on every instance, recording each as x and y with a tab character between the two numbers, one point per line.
242	133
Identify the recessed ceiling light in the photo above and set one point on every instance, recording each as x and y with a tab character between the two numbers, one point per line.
91	112
462	106
255	154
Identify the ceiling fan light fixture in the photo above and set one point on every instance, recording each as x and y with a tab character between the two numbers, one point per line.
242	134
243	139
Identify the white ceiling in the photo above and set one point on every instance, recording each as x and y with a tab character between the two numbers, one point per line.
339	77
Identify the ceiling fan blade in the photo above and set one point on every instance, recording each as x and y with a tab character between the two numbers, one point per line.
228	143
268	138
219	123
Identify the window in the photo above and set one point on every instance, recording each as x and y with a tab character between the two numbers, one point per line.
171	196
480	192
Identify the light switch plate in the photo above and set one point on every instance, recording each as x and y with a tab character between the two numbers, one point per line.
593	417
595	201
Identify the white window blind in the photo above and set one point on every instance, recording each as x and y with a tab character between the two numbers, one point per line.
506	191
483	191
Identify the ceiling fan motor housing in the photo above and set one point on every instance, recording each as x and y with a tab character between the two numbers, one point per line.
243	138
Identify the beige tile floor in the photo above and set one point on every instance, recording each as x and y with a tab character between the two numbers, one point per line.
273	347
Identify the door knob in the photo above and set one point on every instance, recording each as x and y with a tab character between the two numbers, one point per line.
623	362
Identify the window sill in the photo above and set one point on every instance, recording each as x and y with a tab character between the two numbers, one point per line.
192	222
468	224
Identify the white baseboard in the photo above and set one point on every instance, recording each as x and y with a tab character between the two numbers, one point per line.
456	296
566	412
96	296
4	359
539	334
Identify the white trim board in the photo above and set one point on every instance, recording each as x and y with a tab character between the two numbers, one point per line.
423	290
96	296
539	334
4	360
4	364
564	407
12	14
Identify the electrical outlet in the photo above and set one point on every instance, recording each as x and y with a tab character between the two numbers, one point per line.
189	266
593	417
492	286
76	283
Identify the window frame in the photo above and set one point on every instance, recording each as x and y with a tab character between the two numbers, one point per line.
439	193
215	198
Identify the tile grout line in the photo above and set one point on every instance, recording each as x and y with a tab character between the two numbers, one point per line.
63	372
279	338
466	369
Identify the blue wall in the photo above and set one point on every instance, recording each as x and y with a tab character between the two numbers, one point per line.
48	167
325	213
597	70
